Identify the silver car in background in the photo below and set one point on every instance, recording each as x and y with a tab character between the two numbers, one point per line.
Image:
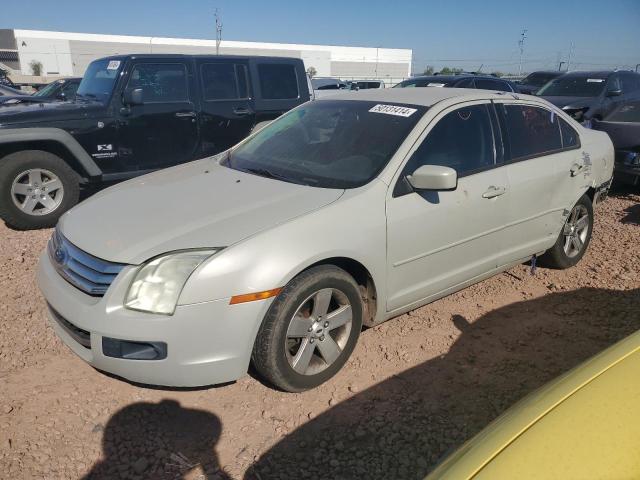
344	212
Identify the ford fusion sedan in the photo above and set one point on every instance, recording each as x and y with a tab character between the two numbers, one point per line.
342	213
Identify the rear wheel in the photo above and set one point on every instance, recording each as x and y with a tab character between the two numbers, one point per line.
36	188
574	238
310	330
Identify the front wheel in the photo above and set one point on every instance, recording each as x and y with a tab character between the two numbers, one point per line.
310	330
574	238
36	188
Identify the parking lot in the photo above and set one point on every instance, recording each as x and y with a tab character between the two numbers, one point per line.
415	387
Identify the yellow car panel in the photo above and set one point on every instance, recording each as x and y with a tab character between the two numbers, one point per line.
584	425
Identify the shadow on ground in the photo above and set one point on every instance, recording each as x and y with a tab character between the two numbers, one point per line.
160	441
401	427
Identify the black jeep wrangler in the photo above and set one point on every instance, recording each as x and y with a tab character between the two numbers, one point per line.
134	114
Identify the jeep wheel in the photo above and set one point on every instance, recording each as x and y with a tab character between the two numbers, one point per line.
36	188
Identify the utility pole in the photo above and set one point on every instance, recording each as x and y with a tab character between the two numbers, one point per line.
523	36
570	55
560	66
218	32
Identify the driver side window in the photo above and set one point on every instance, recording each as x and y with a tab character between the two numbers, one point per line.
462	140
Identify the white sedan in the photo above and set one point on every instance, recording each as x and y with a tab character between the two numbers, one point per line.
342	213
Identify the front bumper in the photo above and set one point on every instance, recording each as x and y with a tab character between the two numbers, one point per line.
206	343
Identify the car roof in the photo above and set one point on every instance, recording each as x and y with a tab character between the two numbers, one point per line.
185	56
590	74
417	96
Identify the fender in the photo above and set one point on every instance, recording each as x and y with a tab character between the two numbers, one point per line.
15	135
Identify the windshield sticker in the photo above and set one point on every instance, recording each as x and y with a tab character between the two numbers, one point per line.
113	65
393	110
435	84
595	80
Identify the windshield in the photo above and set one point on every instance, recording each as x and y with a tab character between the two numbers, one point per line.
48	90
573	86
99	79
328	143
539	79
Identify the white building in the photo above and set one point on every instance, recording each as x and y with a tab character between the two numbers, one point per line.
65	53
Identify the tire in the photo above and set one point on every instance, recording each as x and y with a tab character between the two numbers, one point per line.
284	339
565	253
26	174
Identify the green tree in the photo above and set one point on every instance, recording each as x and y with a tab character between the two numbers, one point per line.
312	72
428	70
497	74
36	67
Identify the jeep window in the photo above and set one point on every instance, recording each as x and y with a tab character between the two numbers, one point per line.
278	81
531	131
224	81
462	140
99	79
160	82
538	79
573	86
327	143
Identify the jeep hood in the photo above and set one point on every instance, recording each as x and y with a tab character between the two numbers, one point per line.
35	113
196	205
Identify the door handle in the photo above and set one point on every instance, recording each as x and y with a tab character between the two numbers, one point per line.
241	111
575	168
493	192
185	114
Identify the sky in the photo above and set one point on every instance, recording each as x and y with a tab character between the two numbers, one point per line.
464	34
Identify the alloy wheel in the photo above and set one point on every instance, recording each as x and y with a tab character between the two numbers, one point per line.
576	230
37	191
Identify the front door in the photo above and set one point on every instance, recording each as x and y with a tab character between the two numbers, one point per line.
163	131
437	240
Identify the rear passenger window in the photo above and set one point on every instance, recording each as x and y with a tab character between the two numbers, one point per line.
569	135
531	131
462	140
224	81
160	83
277	81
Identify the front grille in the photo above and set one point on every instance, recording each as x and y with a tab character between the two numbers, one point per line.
90	274
79	335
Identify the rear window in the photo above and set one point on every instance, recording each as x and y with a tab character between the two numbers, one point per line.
278	81
531	131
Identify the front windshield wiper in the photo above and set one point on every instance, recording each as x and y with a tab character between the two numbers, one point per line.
263	172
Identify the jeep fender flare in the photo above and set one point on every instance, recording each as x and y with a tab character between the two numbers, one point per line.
64	138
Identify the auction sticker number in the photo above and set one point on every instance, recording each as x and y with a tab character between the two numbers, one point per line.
393	110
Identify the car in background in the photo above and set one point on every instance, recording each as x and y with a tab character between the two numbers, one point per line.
185	276
585	424
134	114
535	80
60	90
587	95
365	84
328	84
623	126
6	90
483	82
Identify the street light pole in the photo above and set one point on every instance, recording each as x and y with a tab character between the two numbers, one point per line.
523	36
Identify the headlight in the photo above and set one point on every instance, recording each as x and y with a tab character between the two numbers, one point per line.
159	282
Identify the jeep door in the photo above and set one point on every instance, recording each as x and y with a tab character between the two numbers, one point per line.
227	112
439	240
160	129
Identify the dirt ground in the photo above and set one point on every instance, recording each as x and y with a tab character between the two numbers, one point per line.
415	388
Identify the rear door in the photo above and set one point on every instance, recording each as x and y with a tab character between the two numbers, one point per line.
438	240
540	176
227	111
163	131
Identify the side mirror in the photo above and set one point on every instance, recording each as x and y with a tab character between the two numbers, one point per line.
61	96
614	93
133	96
434	177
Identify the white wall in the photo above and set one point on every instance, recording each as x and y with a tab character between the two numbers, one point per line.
54	54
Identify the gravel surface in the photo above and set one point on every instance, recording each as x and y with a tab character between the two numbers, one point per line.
415	388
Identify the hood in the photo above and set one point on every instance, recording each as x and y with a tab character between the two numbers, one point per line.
572	102
30	113
197	205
